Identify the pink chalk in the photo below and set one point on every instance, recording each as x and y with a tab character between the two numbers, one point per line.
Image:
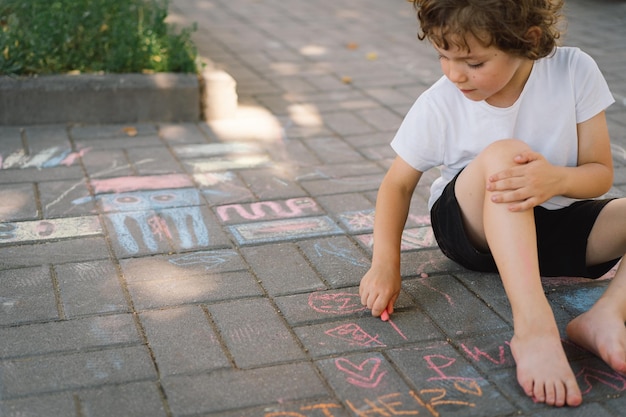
385	315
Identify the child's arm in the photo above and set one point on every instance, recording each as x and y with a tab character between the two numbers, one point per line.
535	180
380	286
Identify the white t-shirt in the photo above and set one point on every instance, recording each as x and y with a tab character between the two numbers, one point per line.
444	128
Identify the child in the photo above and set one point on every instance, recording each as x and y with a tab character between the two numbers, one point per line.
518	128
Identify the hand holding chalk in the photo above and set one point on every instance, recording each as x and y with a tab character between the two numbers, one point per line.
385	315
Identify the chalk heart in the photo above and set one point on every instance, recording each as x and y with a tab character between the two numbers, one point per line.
364	375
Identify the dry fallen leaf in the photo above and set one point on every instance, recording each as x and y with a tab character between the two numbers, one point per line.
346	79
352	45
372	56
130	131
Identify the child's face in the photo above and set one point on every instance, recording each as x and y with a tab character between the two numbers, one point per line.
485	73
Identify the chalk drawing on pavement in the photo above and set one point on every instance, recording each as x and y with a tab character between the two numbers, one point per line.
154	212
280	230
414	238
51	229
293	207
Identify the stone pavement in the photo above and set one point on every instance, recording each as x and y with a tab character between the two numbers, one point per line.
212	269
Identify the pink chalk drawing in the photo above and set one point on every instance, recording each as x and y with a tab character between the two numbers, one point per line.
46	158
397	329
135	183
446	295
337	303
611	379
367	374
476	354
159	228
336	251
462	384
355	335
293	207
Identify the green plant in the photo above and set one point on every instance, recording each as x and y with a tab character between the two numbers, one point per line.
116	36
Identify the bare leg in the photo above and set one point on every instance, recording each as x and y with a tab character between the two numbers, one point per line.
542	367
601	330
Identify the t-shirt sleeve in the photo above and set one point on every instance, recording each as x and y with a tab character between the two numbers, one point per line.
592	93
419	140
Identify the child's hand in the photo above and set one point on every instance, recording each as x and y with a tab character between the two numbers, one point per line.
379	289
530	183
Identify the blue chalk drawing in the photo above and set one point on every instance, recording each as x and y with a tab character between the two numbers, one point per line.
340	253
153	212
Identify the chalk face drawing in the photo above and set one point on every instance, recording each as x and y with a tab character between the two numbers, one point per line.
294	207
355	335
41	230
280	230
153	212
336	303
47	158
367	374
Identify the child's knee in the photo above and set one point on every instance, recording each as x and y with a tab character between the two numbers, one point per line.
503	152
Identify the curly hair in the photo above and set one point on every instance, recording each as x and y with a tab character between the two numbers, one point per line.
501	23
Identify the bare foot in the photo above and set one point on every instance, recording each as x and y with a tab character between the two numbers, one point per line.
543	370
601	330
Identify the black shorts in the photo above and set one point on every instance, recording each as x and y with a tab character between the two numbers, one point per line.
561	237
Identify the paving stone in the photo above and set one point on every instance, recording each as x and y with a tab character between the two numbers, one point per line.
182	341
113	131
449	384
192	290
107	163
61	404
343	185
584	410
283	230
617	405
44	374
17	202
254	333
339	261
452	306
90	288
281	269
65	198
32	175
224	390
333	151
62	251
154	160
340	204
272	183
358	334
27	295
138	399
181	133
68	336
223	188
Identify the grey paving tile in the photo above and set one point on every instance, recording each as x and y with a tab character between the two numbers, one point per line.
181	133
229	389
21	377
27	295
31	175
453	307
18	202
113	131
325	406
65	198
59	404
62	251
274	183
68	336
193	289
339	261
137	399
592	409
281	269
254	333
90	288
183	341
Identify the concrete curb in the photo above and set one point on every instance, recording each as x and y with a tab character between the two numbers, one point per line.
117	98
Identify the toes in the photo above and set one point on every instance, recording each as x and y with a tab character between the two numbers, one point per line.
573	395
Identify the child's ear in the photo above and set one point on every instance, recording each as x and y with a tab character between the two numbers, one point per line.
533	35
